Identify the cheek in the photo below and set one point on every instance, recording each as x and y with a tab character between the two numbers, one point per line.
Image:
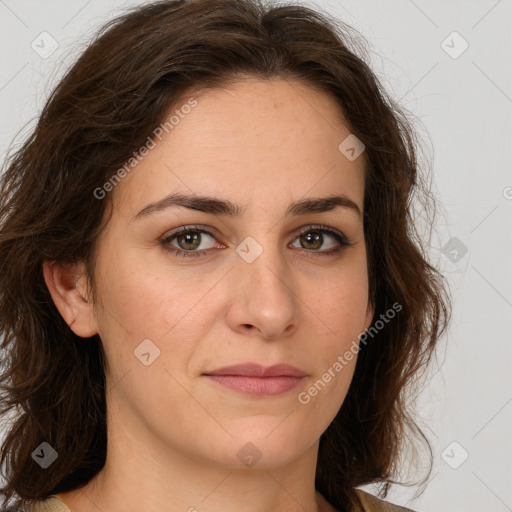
339	315
141	298
150	304
340	300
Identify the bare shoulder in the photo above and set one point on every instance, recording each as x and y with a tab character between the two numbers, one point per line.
374	504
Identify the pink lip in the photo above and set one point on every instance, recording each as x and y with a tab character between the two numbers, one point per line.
254	379
256	370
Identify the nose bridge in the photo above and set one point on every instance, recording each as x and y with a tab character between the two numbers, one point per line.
264	283
262	256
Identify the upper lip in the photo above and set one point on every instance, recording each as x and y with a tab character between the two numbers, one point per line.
257	370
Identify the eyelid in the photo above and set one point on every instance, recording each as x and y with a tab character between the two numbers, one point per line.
321	227
186	228
210	231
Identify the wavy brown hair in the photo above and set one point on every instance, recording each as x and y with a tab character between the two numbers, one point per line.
103	109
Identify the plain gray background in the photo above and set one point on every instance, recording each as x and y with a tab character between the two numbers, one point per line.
462	98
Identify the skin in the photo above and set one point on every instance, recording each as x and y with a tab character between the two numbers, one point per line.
173	434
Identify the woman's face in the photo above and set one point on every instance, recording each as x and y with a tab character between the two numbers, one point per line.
248	288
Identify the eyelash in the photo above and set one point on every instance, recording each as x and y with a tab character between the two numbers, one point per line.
340	238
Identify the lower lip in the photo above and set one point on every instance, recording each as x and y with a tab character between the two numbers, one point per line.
257	386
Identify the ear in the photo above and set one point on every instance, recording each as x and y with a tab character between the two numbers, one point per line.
67	284
370	311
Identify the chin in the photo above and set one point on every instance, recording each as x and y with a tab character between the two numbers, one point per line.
259	450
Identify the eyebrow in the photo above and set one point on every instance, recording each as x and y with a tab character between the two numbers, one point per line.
217	206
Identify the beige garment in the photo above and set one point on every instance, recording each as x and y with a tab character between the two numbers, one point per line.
373	504
51	504
370	504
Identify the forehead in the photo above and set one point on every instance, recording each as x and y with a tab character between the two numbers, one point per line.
269	141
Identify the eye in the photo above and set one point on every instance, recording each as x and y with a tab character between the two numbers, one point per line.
312	237
190	238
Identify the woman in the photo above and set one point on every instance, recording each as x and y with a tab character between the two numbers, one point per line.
213	295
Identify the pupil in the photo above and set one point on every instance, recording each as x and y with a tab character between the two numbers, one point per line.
190	238
313	238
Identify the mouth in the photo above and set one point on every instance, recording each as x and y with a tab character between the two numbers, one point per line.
257	386
256	380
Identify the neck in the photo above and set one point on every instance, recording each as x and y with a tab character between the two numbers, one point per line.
143	473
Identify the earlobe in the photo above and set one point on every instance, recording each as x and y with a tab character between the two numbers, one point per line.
370	311
67	285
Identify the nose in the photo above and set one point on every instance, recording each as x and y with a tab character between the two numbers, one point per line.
266	298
